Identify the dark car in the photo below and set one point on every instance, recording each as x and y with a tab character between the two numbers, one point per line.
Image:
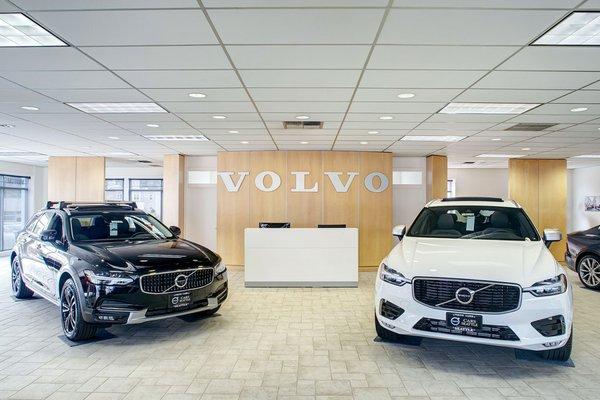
583	256
111	263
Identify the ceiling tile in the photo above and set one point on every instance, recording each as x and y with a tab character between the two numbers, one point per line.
96	95
537	80
65	79
45	58
555	58
300	78
581	96
221	94
180	79
420	79
299	108
426	95
301	94
380	107
104	4
215	107
509	96
566	4
292	3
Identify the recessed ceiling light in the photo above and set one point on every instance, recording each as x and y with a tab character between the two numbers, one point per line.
578	29
386	117
244	142
234	131
114	137
117	108
579	109
373	132
500	155
219	117
497	139
152	125
588	156
176	137
364	142
302	117
526	149
17	30
406	95
433	138
303	142
28	108
197	95
486	108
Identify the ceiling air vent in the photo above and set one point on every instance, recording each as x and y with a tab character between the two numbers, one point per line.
533	127
302	124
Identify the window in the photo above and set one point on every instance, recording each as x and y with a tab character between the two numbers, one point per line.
42	223
114	189
451	188
147	193
14	198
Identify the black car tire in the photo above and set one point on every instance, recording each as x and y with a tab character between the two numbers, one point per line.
560	354
19	290
389	336
73	324
588	269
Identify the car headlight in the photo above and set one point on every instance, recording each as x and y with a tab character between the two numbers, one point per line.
392	276
220	268
549	287
113	278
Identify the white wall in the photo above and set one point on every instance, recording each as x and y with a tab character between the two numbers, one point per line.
409	199
38	184
201	204
492	182
582	182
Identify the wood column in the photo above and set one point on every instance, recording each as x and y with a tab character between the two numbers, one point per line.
76	178
437	177
540	187
173	190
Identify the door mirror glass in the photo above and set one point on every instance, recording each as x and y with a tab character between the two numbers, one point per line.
552	235
176	230
399	231
48	236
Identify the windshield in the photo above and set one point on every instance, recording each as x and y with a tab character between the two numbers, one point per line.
117	226
474	222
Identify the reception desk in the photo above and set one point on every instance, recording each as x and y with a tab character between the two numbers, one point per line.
301	257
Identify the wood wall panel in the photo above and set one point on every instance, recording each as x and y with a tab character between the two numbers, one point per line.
62	177
267	206
375	210
341	208
437	177
304	209
540	187
174	190
233	212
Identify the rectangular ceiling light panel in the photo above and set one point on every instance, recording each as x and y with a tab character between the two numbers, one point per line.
587	156
177	137
486	108
578	29
433	138
115	108
17	30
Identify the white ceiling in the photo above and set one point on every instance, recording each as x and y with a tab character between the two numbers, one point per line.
264	61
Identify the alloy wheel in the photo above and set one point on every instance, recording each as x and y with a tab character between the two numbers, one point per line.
68	310
16	277
589	271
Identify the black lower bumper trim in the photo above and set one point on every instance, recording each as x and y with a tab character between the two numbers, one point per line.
486	331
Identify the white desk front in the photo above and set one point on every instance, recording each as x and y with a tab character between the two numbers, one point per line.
301	257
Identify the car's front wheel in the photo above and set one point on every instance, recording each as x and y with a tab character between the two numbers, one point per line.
390	336
73	324
588	269
19	290
560	354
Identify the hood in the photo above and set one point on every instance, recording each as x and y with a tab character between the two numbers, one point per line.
521	262
151	254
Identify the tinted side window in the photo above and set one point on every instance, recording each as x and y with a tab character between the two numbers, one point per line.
42	223
32	223
57	225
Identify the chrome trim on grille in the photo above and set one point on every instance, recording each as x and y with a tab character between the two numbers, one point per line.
492	283
191	272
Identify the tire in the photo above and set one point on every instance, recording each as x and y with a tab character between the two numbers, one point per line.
389	336
73	324
560	354
588	269
19	290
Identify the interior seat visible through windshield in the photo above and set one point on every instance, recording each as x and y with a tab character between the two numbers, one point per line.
117	226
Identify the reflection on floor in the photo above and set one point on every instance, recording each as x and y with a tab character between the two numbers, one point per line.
277	344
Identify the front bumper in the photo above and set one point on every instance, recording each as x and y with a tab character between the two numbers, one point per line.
570	261
108	305
519	321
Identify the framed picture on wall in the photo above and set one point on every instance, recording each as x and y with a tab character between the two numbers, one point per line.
592	203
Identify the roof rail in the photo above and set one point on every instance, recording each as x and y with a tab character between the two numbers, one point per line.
75	205
475	198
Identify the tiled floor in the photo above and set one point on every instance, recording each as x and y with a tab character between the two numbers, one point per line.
277	344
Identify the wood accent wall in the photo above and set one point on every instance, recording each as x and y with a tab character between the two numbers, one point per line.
173	190
437	177
357	208
540	187
76	178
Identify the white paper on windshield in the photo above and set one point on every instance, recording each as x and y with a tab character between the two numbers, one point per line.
114	230
471	223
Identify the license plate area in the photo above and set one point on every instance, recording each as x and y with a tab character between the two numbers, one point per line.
180	300
464	322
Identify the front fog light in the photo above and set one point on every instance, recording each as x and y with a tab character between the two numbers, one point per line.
552	344
548	287
392	276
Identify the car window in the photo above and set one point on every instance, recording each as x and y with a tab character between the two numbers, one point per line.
31	224
57	225
42	223
474	222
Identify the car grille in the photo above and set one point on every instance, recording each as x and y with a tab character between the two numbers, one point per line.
487	331
165	282
490	297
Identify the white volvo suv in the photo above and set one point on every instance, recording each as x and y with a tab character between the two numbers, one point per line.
475	269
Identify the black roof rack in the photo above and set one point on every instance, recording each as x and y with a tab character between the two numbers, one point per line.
475	198
78	205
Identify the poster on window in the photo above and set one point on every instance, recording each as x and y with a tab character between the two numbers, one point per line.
592	203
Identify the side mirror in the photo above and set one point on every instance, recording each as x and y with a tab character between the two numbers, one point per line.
49	236
176	230
552	235
399	231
